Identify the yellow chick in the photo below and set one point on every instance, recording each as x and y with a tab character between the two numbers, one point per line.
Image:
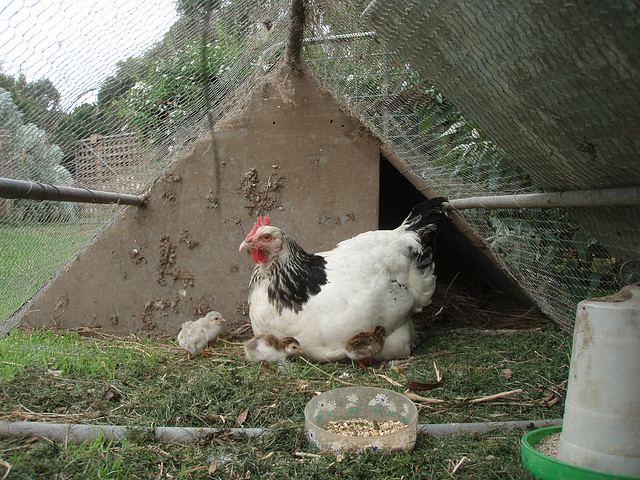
195	336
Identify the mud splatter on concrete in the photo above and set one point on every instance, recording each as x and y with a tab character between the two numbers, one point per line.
63	301
337	220
262	199
184	238
243	309
170	193
166	265
201	308
212	199
148	324
167	259
136	255
152	306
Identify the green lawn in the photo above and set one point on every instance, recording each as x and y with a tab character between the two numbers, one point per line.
68	378
31	254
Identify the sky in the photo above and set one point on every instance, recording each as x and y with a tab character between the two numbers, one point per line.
77	43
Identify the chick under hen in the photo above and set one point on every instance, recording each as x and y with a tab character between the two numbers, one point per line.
364	345
379	277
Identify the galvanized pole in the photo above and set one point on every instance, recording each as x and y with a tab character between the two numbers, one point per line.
22	189
340	38
605	197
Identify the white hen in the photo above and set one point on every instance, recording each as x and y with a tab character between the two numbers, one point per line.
195	336
376	278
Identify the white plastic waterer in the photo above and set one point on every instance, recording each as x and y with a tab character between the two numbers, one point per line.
601	427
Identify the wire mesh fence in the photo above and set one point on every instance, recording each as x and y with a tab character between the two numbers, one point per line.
109	94
490	98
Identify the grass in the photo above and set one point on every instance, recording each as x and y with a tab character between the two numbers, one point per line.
69	377
31	254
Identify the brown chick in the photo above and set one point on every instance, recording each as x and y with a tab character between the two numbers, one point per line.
268	348
364	345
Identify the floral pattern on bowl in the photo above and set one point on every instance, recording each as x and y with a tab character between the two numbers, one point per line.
367	403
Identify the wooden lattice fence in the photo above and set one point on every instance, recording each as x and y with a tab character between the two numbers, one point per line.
106	162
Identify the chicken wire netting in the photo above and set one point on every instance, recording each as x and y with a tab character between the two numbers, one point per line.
474	98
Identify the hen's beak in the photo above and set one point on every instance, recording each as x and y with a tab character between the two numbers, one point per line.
246	246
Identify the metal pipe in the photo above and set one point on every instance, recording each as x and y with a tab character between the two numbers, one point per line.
605	197
23	189
443	429
340	38
78	434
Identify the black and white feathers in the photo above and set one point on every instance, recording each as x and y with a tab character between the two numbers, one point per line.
378	277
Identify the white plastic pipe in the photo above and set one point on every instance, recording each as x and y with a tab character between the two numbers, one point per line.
78	434
605	197
443	429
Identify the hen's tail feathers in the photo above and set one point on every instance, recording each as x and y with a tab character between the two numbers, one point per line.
425	219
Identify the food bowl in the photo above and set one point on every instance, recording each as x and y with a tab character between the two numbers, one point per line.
375	406
544	467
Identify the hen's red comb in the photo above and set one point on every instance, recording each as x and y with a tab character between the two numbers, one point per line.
260	222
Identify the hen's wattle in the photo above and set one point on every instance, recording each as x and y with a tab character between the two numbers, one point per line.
377	278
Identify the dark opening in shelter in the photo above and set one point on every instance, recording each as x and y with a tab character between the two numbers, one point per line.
456	256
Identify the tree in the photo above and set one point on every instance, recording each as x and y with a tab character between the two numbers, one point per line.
36	100
117	86
172	91
33	157
10	117
197	9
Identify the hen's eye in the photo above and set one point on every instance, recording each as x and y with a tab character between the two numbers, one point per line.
267	237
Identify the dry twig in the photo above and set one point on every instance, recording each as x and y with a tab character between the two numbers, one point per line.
306	455
496	396
196	469
7	465
458	465
390	380
418	398
325	373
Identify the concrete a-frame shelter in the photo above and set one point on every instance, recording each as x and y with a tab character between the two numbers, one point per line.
290	152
